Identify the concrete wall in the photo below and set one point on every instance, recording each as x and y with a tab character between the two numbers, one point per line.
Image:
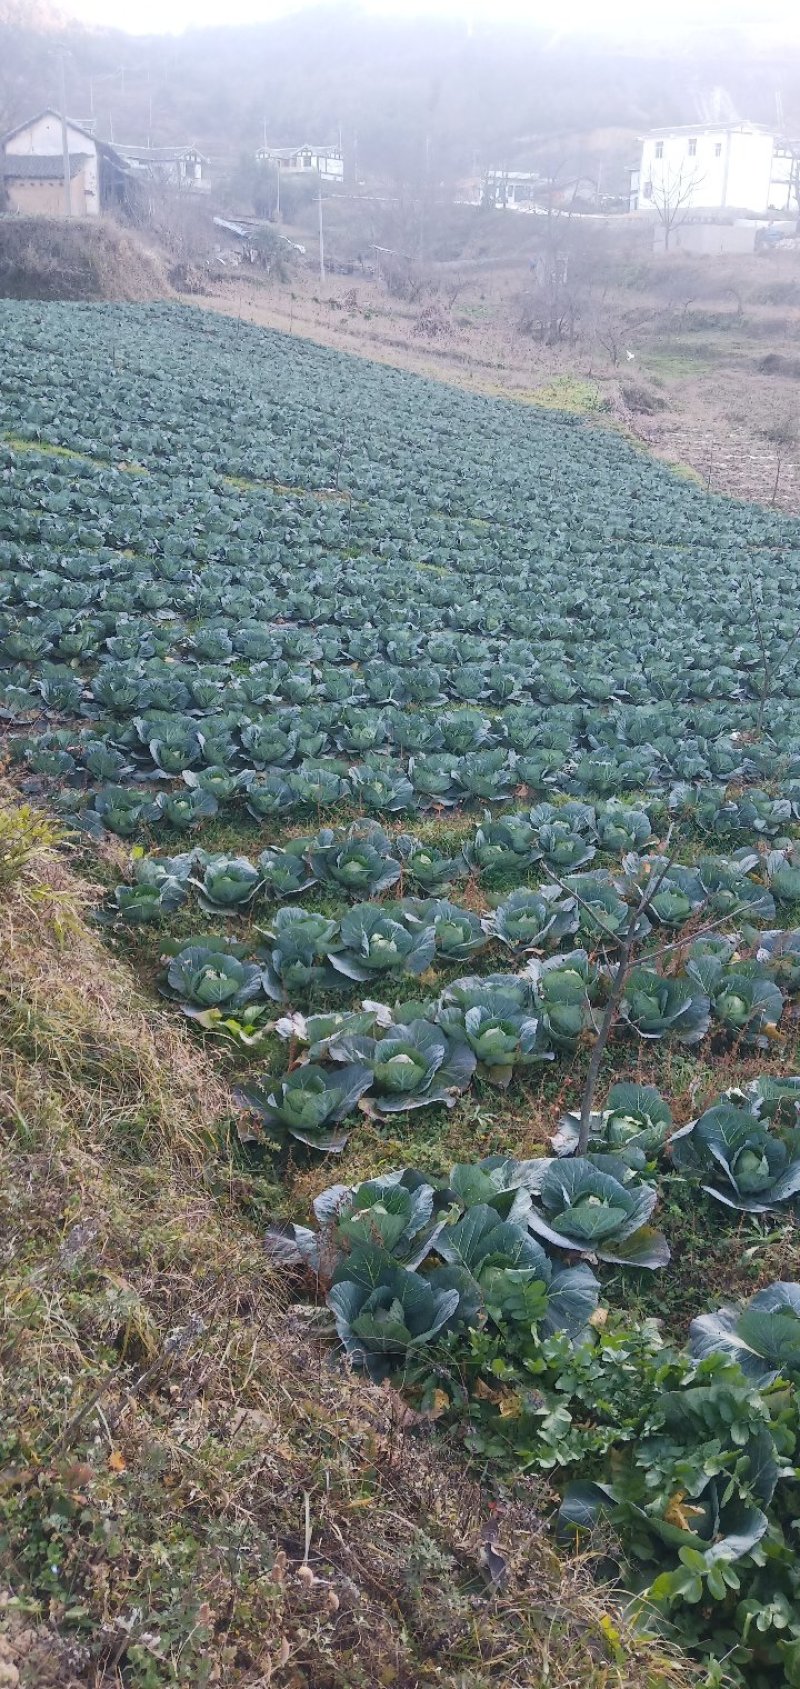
35	198
43	137
707	239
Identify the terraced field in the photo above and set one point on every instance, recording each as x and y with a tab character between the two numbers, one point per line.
438	759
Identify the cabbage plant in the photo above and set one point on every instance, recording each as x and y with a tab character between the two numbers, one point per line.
318	1032
411	1065
285	873
124	810
580	1207
268	794
309	1103
385	1313
203	977
621	829
459	933
228	885
603	917
502	1041
383	788
372	944
562	986
738	1161
360	862
762	1336
730	892
298	956
525	919
502	847
183	810
746	1006
779	950
400	1213
516	1279
428	868
783	875
634	1125
564	849
659	1007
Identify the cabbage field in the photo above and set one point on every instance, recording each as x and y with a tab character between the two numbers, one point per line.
447	747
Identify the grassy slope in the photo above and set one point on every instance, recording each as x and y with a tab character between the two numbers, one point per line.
190	1492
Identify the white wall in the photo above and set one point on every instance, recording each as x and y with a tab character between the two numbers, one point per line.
730	168
332	167
43	138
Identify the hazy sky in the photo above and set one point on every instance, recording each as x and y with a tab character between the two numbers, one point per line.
591	16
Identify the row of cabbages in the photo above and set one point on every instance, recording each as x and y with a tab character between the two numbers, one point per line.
318	756
426	1050
228	985
496	1225
363	860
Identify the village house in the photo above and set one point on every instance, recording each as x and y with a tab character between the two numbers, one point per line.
184	168
326	161
716	167
33	175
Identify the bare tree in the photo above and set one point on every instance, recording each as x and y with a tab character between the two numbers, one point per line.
782	432
670	195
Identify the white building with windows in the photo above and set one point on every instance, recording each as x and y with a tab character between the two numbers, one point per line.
716	167
171	167
299	161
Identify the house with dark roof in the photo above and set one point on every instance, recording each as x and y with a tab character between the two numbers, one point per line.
32	171
324	161
185	168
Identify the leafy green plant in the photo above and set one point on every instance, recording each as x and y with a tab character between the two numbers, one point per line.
634	1125
309	1103
372	944
738	1160
581	1207
411	1066
762	1337
385	1313
229	883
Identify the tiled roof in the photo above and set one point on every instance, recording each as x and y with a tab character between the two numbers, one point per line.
40	167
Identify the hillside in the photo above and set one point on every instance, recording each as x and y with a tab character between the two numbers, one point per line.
416	100
401	1042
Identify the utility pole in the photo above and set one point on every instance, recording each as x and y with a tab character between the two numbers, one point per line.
278	191
64	141
321	237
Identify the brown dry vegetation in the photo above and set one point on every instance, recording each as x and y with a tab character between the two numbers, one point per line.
192	1490
85	258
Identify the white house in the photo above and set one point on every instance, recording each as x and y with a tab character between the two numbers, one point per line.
174	167
32	168
326	161
715	166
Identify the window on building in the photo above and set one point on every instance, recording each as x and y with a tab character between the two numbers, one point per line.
647	190
718	149
693	149
659	149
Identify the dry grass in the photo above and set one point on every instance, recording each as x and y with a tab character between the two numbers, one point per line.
192	1491
85	258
